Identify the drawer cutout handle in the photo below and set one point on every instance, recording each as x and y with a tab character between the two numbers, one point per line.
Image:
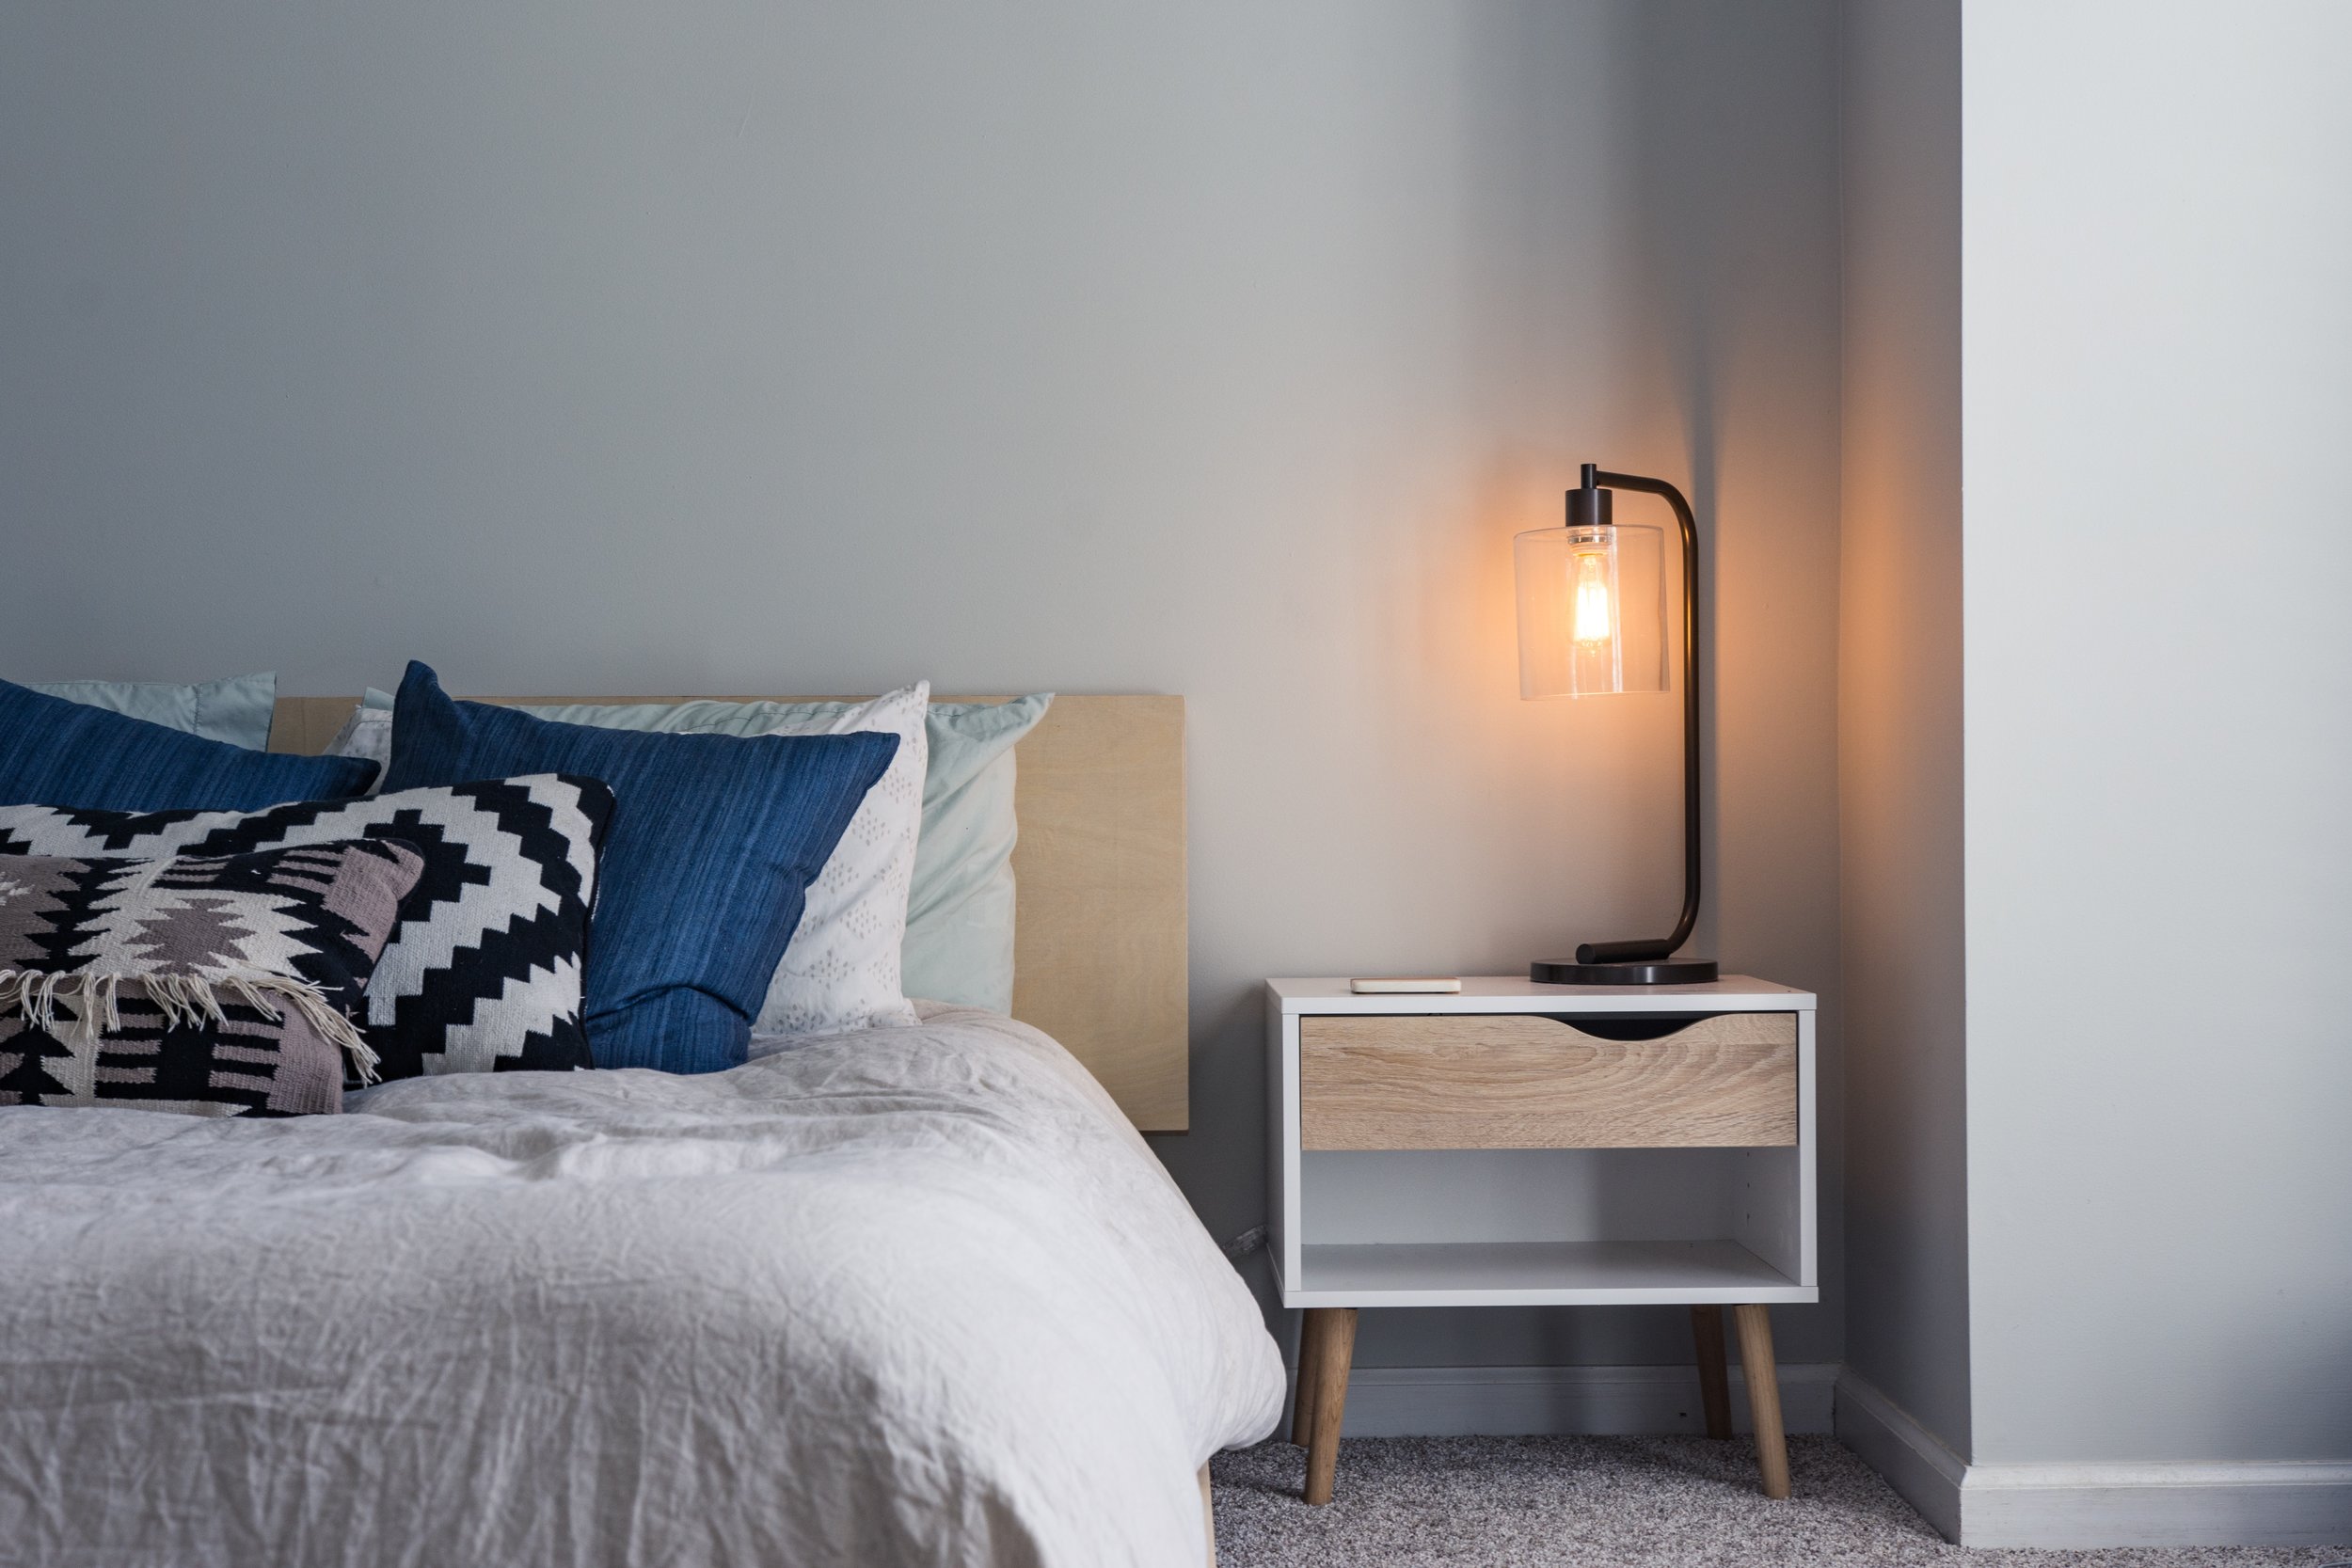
1623	1026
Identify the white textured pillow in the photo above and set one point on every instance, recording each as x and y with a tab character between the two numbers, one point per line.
841	971
368	733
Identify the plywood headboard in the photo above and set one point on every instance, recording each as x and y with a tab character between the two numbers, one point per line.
1098	944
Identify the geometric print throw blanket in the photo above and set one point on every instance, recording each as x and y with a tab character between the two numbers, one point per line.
483	971
217	987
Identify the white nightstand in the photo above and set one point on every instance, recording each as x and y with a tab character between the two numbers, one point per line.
1520	1145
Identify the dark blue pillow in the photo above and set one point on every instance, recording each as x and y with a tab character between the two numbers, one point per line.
713	841
53	753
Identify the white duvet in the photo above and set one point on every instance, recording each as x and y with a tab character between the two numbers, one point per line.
910	1296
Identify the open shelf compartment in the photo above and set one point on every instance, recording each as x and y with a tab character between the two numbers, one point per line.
1538	1274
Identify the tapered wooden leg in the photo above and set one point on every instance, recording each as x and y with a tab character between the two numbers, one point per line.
1707	1328
1303	1396
1335	1349
1755	1358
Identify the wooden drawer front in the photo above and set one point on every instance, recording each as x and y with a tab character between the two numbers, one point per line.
1513	1081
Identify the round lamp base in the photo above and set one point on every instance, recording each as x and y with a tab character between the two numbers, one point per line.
1658	972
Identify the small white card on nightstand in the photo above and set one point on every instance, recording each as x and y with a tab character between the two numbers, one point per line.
1405	985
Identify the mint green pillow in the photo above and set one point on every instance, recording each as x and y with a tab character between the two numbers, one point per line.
959	914
236	710
959	945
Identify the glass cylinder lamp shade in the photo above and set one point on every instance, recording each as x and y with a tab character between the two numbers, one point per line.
1592	609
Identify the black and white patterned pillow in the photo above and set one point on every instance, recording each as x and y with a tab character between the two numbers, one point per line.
214	987
483	971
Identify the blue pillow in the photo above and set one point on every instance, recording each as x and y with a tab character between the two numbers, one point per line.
714	840
960	913
55	752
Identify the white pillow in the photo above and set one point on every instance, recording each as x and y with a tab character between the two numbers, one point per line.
368	733
841	971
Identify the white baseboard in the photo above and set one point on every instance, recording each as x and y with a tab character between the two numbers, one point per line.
1512	1401
2157	1505
1915	1463
2061	1506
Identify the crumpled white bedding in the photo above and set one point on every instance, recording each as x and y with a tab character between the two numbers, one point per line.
905	1296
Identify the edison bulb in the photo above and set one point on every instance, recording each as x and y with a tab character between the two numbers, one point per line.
1596	616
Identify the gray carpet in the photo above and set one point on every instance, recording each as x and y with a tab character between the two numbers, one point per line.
1610	1502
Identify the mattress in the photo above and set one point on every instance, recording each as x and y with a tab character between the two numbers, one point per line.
904	1296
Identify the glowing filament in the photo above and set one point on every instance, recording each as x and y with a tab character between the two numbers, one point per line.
1595	617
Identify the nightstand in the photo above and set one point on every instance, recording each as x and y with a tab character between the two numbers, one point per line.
1558	1146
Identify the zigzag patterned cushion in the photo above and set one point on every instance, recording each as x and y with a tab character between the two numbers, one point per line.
483	972
216	986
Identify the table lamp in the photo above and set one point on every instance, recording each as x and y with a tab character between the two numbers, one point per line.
1592	601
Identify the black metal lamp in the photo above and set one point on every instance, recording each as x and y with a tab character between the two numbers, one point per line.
1592	600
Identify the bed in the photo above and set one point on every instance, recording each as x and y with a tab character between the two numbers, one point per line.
909	1295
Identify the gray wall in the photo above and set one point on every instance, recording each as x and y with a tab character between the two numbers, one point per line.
2098	1183
1214	349
1899	715
2158	387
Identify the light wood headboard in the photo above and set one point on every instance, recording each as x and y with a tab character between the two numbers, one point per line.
1099	943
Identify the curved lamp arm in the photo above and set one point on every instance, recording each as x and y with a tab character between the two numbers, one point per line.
1640	952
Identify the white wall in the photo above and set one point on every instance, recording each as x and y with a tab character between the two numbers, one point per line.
2157	349
1899	845
1214	349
